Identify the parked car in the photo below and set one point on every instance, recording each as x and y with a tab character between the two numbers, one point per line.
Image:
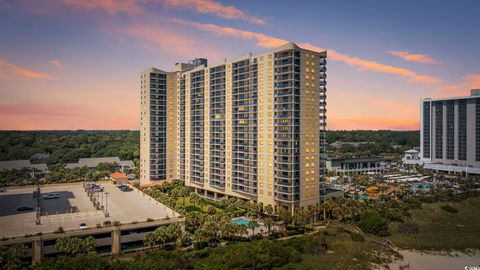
126	189
24	208
83	226
107	223
120	186
49	196
97	189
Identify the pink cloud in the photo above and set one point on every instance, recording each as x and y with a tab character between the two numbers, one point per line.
462	88
261	40
9	70
410	57
168	40
472	80
216	8
56	63
265	41
370	65
110	6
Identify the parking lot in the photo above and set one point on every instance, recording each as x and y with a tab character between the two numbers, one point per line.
72	208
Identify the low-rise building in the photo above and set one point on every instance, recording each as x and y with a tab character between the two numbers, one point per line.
118	178
37	170
412	157
92	163
359	165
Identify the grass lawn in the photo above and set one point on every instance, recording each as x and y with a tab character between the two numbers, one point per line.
442	230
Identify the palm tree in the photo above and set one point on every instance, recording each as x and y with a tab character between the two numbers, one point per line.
269	209
268	222
252	225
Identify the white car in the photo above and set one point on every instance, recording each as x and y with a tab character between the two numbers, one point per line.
49	196
83	226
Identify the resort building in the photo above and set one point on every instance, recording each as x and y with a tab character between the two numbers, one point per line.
450	133
361	165
251	127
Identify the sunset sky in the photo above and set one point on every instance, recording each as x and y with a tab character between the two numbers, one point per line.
75	64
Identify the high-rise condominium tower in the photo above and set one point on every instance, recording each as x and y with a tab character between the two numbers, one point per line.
450	132
251	128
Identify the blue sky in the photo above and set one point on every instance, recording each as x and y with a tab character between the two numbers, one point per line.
71	64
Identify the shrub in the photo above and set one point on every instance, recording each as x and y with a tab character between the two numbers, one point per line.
200	245
149	219
407	228
372	222
449	208
116	223
357	237
59	230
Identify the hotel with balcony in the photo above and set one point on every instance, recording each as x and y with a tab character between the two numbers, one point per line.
450	133
251	127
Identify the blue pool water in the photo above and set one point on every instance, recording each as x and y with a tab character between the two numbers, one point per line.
364	196
421	186
241	221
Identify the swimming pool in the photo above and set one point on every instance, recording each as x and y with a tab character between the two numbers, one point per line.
421	186
241	221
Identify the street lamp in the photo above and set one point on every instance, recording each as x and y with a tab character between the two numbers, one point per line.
101	195
106	205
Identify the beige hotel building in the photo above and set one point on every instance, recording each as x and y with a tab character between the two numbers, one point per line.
251	128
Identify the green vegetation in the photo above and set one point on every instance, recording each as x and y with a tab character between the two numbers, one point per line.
69	146
12	257
439	229
73	245
381	142
324	250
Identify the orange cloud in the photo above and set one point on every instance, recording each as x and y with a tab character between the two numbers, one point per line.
468	82
265	41
261	40
213	7
111	6
372	123
168	40
56	63
363	64
410	57
9	70
472	81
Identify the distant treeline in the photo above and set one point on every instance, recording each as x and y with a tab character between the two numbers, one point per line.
69	146
378	142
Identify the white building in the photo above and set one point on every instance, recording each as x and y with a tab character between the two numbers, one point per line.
450	133
412	157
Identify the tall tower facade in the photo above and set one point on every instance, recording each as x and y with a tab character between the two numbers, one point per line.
450	131
252	127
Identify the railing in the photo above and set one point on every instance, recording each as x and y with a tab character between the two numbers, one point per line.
369	237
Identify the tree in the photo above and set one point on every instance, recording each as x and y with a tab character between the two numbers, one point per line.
269	209
372	222
268	222
74	245
11	257
252	225
284	215
300	217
